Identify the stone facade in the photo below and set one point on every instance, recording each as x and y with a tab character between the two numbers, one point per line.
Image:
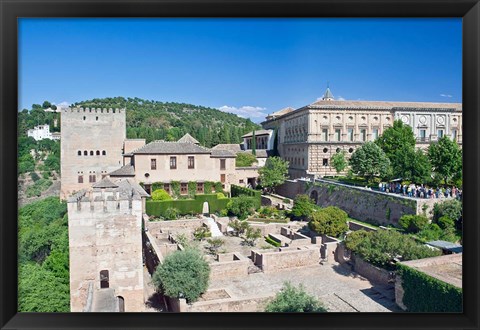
91	146
310	135
105	240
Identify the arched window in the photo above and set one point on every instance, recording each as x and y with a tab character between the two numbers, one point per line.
91	152
79	153
98	152
96	118
104	280
121	304
85	153
104	153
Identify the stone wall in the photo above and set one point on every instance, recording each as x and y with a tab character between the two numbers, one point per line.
354	226
285	258
373	274
291	188
229	265
174	226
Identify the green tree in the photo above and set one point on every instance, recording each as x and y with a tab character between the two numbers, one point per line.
251	235
303	207
398	143
413	223
46	105
161	195
291	299
171	213
274	173
26	163
370	161
244	159
418	168
215	243
201	233
241	206
183	274
446	158
254	144
330	221
239	227
449	208
339	162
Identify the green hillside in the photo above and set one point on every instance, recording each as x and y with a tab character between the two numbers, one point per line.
154	120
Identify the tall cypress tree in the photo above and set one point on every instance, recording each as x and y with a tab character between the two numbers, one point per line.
254	144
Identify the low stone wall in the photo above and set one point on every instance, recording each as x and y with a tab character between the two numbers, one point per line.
174	226
222	223
286	258
372	273
328	248
354	226
229	265
244	304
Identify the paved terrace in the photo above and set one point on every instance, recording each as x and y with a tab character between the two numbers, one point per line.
339	289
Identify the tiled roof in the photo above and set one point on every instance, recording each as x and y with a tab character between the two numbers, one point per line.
281	112
127	170
172	148
187	138
235	148
105	183
386	105
127	186
222	153
257	133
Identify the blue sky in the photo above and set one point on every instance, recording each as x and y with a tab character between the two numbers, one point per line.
251	67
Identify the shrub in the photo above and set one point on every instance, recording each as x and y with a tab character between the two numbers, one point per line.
268	211
330	221
175	188
354	239
445	222
273	242
303	207
238	226
38	187
251	235
286	201
220	195
201	233
381	247
431	233
215	244
451	208
208	187
241	207
245	159
192	189
183	274
292	299
161	195
413	223
34	176
171	213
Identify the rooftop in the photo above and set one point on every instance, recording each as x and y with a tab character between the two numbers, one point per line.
187	138
446	268
257	133
127	170
162	147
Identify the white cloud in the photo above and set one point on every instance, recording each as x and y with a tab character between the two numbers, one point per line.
63	104
340	98
245	111
445	95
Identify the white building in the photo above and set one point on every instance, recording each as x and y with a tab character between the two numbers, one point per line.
42	132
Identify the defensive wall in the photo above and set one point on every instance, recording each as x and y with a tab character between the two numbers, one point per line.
366	205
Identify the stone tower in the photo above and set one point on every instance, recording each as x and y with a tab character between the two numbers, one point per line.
105	239
91	146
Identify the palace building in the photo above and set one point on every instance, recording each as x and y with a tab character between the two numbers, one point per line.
309	136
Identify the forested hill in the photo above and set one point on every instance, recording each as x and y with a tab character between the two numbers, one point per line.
154	120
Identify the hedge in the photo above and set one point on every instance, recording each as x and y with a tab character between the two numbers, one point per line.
270	241
238	191
426	294
187	206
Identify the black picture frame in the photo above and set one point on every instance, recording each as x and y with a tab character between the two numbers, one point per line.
469	10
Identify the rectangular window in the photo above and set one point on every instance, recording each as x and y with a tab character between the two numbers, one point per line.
173	163
222	178
350	134
191	162
363	134
337	134
440	133
325	162
454	134
92	178
80	179
423	134
199	187
240	181
325	134
184	188
374	134
153	164
166	187
222	164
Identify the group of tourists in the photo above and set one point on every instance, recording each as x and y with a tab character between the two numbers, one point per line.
420	191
